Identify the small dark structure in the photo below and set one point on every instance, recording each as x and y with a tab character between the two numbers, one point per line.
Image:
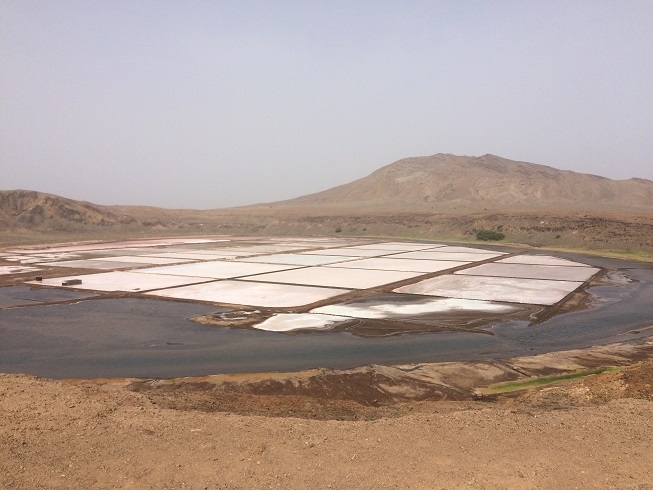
39	278
71	282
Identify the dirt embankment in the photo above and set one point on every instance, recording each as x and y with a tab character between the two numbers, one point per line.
592	432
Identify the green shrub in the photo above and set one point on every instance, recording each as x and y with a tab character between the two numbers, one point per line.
487	235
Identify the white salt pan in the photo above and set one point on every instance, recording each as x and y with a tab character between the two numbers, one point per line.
336	277
252	293
100	264
391	310
145	259
436	254
216	269
409	265
531	271
529	291
451	248
540	260
351	252
397	246
297	321
121	281
296	259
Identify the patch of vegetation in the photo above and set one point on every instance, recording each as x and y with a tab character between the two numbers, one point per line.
487	235
523	384
338	230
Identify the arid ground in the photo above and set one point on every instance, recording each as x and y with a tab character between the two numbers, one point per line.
590	432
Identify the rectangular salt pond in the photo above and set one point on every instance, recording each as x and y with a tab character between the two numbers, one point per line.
262	249
350	252
100	264
436	254
540	260
530	271
319	241
454	249
233	252
197	255
145	259
217	269
252	293
397	246
297	259
121	281
410	308
408	265
336	277
114	252
528	291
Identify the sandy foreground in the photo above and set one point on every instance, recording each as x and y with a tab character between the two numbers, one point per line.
592	432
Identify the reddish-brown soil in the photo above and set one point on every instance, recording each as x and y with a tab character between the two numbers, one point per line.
593	432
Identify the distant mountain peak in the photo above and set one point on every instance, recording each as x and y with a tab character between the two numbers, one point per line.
445	181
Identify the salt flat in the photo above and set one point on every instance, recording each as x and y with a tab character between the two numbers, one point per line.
529	291
408	265
286	322
297	259
121	281
540	260
351	252
252	293
436	254
199	255
453	248
397	309
336	277
217	269
531	271
100	264
262	249
145	259
397	246
277	273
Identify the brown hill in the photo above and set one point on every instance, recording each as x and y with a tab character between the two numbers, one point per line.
30	209
442	196
28	216
443	183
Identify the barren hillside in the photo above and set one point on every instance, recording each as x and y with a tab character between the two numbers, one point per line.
443	183
34	209
436	197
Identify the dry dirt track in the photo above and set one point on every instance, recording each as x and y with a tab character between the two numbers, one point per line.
592	433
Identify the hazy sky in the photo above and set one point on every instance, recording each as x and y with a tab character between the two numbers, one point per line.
205	104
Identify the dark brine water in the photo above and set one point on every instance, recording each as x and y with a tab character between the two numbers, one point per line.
152	338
